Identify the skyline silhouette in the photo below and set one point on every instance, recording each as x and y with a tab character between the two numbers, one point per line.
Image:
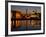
24	8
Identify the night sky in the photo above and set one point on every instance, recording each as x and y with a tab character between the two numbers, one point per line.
23	8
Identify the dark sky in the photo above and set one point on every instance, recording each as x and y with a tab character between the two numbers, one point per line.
23	8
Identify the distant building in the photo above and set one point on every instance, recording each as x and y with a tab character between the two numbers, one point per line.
18	14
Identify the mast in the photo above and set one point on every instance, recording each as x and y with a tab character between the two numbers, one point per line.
26	20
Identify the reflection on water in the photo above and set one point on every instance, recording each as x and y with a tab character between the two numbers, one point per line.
28	23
